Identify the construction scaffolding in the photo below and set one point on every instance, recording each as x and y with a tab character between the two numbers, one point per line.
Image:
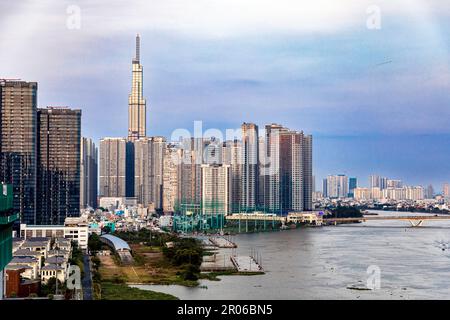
198	217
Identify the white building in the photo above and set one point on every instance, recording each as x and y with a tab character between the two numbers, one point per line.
74	229
112	203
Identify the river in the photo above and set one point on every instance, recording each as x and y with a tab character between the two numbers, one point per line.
322	262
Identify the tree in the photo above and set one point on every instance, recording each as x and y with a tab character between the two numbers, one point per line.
94	243
50	287
106	229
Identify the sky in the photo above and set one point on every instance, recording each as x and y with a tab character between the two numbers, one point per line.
370	80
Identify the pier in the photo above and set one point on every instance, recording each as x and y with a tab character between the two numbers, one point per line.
246	264
222	242
217	262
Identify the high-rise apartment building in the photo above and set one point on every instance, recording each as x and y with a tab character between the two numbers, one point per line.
337	186
446	190
376	181
263	185
250	167
148	170
18	144
216	196
307	174
88	173
232	156
391	183
170	177
429	192
325	187
58	179
136	103
289	171
352	185
113	167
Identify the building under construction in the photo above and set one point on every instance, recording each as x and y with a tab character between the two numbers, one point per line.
7	218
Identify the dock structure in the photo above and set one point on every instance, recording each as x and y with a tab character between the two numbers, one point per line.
246	264
259	221
217	262
222	242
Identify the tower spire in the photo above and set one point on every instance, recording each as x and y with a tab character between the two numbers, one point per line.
138	47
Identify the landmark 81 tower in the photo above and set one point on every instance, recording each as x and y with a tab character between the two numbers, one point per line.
136	102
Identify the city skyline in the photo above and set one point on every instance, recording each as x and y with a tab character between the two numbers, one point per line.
389	92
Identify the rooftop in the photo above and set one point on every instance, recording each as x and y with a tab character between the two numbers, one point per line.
26	252
52	267
118	243
17	260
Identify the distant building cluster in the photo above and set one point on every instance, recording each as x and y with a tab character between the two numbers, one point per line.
379	189
270	173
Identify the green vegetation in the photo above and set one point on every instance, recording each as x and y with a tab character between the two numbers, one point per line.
94	243
159	258
111	291
185	255
213	276
146	237
50	287
77	257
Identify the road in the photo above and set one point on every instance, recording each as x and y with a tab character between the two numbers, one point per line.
86	282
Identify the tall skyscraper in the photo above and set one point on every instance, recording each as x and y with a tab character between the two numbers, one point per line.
325	187
18	144
113	167
391	183
263	184
337	186
232	156
352	185
148	163
170	178
429	192
307	168
376	181
58	180
88	173
446	190
136	102
216	195
250	169
289	175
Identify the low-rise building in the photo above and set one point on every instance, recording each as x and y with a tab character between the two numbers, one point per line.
41	245
74	229
28	253
53	271
31	264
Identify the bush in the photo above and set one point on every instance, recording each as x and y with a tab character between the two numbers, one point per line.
191	273
94	243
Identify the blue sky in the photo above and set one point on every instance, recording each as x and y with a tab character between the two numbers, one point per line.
376	101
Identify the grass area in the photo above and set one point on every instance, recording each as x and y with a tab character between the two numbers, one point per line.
112	291
149	267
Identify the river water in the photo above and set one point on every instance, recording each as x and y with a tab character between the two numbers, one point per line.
322	262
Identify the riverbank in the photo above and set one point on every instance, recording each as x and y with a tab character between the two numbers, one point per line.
113	291
149	267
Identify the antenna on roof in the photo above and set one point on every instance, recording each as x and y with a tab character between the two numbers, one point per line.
138	47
